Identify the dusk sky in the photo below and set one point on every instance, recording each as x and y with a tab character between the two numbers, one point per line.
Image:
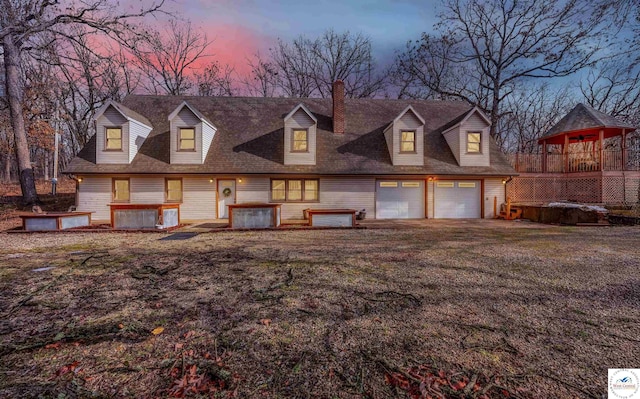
240	28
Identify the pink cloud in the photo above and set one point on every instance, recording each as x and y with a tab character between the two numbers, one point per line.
234	45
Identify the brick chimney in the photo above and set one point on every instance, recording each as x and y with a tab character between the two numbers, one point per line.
338	107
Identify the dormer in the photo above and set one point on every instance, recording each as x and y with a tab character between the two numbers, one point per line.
405	138
300	137
191	135
469	139
120	133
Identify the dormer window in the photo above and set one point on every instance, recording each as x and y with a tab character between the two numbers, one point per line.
187	139
300	140
408	141
473	142
113	139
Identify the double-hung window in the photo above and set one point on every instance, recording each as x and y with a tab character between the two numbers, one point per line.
294	190
173	189
121	190
300	140
113	139
473	142
186	139
407	141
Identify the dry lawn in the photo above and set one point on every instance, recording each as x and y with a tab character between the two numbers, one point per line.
526	312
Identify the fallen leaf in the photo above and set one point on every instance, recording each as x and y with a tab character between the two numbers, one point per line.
178	347
52	346
157	330
266	322
189	334
121	326
68	368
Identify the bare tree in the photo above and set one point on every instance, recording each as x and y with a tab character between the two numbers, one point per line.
426	70
168	58
506	43
614	89
295	76
263	79
23	20
214	80
347	57
308	67
529	113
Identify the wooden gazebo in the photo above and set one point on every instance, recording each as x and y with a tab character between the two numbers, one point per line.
585	157
581	135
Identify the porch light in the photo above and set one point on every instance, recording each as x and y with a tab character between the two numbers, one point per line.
430	178
240	180
79	179
211	180
504	181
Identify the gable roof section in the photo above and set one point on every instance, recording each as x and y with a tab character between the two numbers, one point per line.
464	117
124	111
583	117
197	113
305	109
250	138
401	114
415	113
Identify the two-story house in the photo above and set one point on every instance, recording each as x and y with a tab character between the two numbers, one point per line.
394	158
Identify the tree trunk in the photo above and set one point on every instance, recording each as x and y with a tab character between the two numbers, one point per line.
14	96
495	109
7	168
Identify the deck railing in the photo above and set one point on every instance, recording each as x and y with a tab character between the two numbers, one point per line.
574	162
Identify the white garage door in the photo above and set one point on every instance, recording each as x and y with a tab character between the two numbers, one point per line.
399	199
457	199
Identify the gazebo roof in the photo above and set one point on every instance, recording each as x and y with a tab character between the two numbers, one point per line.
583	119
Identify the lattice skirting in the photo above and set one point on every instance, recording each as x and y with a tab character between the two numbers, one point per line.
589	190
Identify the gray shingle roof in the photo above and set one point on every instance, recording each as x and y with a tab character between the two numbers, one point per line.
250	138
583	117
130	113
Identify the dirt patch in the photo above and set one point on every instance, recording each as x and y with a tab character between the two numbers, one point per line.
526	312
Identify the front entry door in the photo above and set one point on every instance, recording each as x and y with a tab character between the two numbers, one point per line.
226	197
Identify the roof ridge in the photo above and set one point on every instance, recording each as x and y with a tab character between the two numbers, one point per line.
407	100
597	114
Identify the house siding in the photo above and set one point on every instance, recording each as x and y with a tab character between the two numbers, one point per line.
111	117
474	124
493	188
253	189
137	134
299	120
146	190
408	121
94	195
186	118
348	192
207	137
199	200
